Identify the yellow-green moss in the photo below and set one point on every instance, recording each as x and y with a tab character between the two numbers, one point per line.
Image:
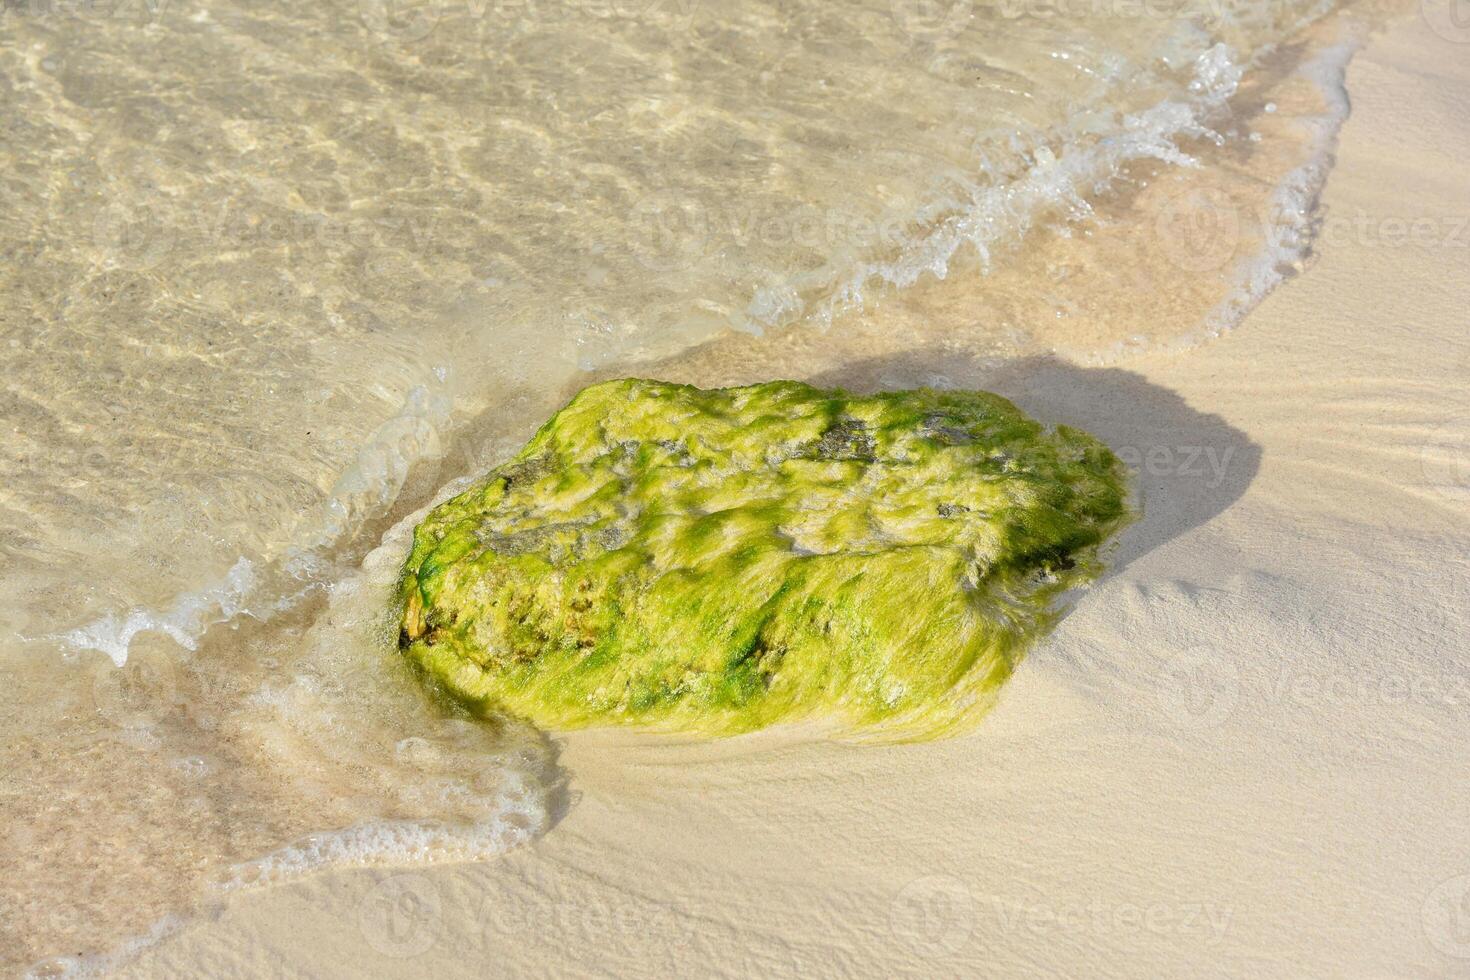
720	560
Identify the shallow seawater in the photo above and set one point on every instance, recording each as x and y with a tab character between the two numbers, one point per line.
275	275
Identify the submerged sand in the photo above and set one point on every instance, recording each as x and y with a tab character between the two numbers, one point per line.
1243	753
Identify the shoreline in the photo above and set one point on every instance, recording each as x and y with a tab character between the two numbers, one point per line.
918	294
1228	695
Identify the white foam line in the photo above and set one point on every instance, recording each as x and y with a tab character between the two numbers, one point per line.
1292	207
102	964
1005	213
392	843
185	620
366	489
1008	213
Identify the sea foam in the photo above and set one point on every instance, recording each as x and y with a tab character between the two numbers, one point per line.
261	588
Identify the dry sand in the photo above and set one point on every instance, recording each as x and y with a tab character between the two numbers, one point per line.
1244	752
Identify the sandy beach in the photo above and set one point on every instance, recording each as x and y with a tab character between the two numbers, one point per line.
1242	753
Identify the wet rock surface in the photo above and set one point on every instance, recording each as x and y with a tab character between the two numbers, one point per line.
720	560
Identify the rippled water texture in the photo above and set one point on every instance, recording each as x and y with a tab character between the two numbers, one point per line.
272	273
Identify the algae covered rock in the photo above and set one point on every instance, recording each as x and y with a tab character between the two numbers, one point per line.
720	560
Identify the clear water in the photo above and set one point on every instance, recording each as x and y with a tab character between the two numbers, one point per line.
275	274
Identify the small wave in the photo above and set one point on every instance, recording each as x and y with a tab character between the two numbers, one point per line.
351	753
446	789
407	842
102	964
1292	206
1081	158
261	588
185	620
1067	165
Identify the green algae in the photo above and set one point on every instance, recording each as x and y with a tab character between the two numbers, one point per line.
716	561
